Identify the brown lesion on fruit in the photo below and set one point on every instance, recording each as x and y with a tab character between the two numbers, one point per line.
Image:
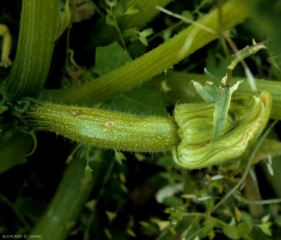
109	124
75	112
6	47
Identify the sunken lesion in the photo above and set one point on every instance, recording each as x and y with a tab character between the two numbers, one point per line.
75	112
109	124
6	47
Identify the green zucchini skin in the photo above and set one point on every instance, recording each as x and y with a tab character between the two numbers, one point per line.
102	128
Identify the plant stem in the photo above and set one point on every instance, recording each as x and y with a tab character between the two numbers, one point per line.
38	28
106	129
154	62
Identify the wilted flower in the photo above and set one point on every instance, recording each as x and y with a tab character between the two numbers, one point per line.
246	118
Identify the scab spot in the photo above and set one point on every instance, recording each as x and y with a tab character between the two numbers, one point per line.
75	112
109	124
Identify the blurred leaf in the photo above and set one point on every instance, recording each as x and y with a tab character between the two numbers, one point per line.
244	229
111	215
172	201
270	169
265	218
265	227
176	215
208	92
166	161
231	232
111	3
216	64
14	147
124	188
216	81
88	172
110	21
207	229
246	217
131	10
131	232
119	156
187	14
269	147
205	198
3	109
140	157
145	100
168	191
144	34
107	233
148	229
210	205
130	32
160	223
216	177
277	220
238	214
110	58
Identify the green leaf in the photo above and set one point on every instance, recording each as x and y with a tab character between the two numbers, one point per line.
265	227
165	161
221	108
247	218
110	21
144	100
187	14
110	58
207	229
216	65
212	77
13	149
3	109
176	215
270	147
107	233
131	11
111	3
244	229
88	172
119	156
144	34
208	92
231	232
131	32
